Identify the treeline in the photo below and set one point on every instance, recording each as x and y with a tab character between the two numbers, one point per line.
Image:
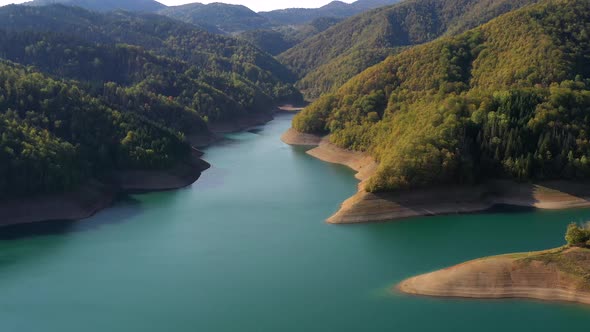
508	99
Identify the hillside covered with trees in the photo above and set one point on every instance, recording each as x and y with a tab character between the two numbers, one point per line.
508	99
55	136
329	59
218	76
84	94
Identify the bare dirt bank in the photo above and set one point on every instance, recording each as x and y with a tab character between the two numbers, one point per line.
95	196
293	137
553	275
181	175
369	207
79	204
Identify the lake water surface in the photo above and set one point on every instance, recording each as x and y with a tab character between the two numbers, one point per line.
246	249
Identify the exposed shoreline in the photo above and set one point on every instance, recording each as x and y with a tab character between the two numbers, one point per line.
95	196
553	275
372	207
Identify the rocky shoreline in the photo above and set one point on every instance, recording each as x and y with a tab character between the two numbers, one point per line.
372	207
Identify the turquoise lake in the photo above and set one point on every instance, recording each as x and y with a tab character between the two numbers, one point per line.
246	249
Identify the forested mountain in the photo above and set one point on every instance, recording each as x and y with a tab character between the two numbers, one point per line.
508	99
219	62
105	5
117	91
327	60
225	17
55	136
280	39
338	9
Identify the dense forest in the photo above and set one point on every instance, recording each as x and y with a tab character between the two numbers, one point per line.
217	76
55	136
508	99
329	59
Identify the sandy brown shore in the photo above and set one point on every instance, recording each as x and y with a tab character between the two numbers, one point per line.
553	275
95	196
181	175
369	207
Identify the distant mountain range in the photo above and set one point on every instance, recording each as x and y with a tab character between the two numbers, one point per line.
105	5
226	17
333	9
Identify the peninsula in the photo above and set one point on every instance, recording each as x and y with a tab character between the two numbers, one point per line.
561	274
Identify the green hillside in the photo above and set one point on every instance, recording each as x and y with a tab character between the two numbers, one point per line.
326	61
175	58
508	99
55	136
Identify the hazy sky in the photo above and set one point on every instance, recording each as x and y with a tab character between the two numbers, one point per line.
256	5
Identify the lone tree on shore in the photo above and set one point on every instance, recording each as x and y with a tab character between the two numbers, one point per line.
577	235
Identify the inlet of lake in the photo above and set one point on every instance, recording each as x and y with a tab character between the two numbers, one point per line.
246	249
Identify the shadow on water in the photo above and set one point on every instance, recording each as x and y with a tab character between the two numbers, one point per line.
255	131
302	149
227	140
127	208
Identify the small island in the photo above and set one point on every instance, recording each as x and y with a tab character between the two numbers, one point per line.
561	274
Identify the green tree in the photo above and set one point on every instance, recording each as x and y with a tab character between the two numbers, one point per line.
576	235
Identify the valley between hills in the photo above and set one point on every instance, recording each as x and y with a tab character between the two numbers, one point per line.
441	107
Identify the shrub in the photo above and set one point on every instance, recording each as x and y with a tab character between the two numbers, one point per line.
576	235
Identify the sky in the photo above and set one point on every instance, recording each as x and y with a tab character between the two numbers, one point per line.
256	5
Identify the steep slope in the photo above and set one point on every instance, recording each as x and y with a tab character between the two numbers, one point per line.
225	17
105	5
508	99
326	61
338	9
